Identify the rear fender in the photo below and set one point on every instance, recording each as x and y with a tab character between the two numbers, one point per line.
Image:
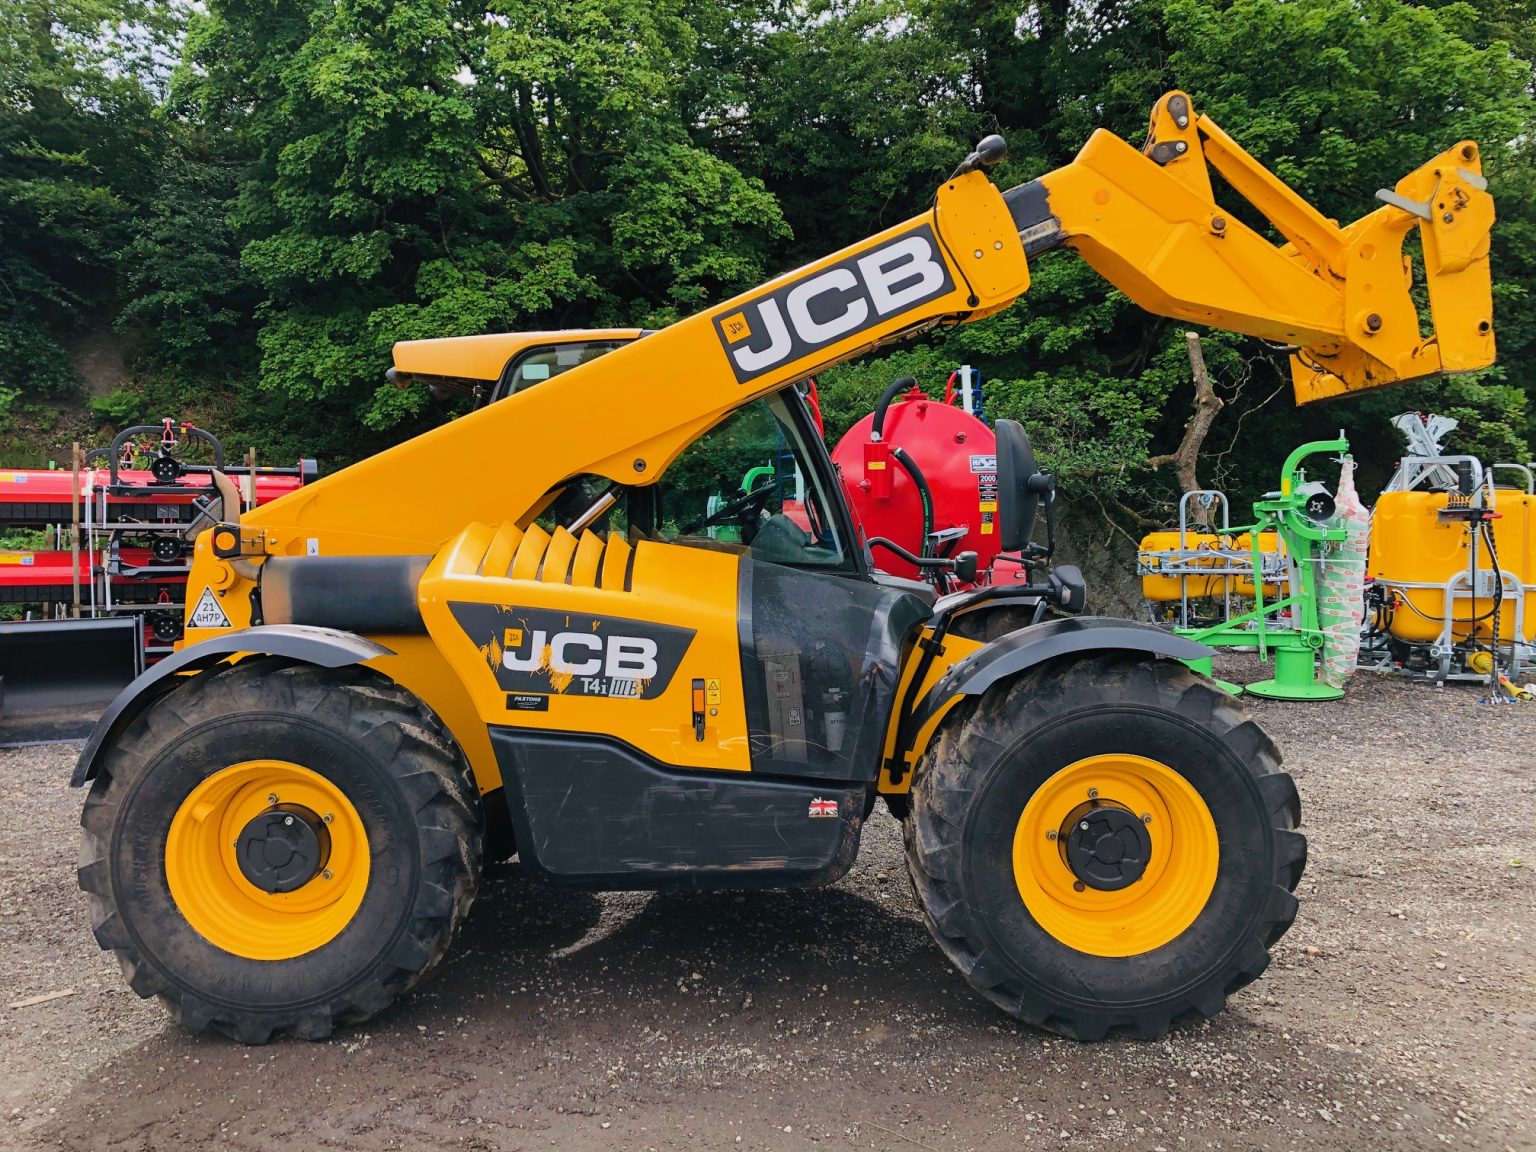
325	647
1017	652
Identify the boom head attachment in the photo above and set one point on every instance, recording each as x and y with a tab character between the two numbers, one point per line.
1448	201
1339	298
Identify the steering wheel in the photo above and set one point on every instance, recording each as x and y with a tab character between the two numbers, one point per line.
751	502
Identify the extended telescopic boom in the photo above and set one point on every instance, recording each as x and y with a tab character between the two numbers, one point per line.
1144	219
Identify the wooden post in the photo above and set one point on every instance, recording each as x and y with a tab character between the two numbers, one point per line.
74	535
250	479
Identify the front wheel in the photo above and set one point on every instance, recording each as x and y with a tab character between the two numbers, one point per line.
1105	844
274	848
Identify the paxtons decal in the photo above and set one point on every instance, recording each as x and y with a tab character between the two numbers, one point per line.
795	319
535	652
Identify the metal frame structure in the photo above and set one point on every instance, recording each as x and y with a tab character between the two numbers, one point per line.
112	596
1294	644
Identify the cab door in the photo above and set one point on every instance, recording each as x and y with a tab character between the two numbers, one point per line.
820	642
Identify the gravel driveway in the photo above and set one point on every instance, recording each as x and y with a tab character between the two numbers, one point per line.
1400	1012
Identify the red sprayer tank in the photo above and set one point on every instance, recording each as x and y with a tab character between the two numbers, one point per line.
957	456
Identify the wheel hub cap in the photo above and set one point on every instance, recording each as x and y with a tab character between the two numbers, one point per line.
1140	872
283	849
252	883
1107	848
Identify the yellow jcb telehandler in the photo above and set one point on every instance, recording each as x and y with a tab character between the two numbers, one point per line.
529	631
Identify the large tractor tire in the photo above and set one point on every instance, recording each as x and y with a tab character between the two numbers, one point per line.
1106	843
273	847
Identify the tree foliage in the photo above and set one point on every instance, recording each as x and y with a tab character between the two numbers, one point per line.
429	168
79	148
321	178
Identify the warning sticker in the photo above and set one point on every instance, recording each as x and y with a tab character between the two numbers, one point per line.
209	613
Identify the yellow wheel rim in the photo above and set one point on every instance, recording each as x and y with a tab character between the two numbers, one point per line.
202	863
1180	868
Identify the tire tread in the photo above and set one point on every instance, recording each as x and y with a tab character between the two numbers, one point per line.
976	732
442	792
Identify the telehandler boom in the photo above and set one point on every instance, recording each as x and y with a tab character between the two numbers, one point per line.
393	674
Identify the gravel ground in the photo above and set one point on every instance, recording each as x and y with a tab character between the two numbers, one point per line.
1400	1011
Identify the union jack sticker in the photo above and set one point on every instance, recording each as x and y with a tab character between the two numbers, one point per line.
823	808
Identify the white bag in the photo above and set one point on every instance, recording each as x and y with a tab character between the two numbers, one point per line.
1341	583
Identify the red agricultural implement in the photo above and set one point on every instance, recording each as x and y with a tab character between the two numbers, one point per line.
921	477
104	594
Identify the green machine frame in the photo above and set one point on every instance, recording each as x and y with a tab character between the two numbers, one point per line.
1303	534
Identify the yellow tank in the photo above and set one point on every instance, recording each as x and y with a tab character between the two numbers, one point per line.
1164	589
1411	544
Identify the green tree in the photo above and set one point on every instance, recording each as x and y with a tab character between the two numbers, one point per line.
78	154
1339	98
329	176
431	168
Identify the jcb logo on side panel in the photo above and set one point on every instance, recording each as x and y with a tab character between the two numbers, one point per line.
534	652
797	318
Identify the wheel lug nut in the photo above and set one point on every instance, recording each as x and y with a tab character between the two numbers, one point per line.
326	874
1084	825
271	797
1093	793
1078	885
1146	817
327	818
1050	834
289	820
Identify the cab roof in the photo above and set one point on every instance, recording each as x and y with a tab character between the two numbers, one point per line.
485	358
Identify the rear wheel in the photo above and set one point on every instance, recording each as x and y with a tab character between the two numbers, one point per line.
1105	844
273	848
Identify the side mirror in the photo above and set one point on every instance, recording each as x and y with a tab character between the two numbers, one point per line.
1017	499
965	567
1068	588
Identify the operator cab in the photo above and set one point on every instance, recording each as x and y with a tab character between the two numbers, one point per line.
759	484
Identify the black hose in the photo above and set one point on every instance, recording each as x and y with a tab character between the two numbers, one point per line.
892	546
923	492
891	390
1485	530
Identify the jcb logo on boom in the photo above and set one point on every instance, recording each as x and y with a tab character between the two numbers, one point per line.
856	293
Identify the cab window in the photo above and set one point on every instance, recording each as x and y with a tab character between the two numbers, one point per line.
747	486
540	363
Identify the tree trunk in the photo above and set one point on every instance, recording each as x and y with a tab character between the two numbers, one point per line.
1207	404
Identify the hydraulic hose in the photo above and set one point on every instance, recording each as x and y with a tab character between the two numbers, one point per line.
923	492
890	393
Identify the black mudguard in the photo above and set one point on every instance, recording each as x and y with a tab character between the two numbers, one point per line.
325	647
1016	652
